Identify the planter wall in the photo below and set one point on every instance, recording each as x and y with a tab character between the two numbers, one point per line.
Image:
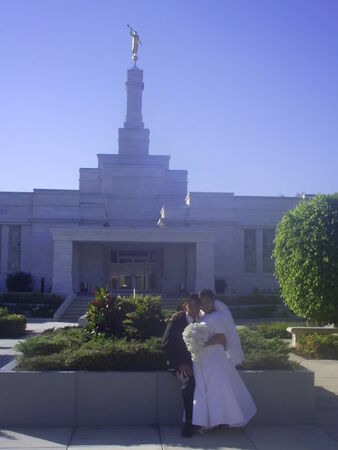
139	398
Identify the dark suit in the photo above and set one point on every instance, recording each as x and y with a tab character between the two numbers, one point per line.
177	354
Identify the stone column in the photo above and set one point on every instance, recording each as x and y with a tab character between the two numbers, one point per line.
4	250
190	269
76	267
259	250
205	265
62	267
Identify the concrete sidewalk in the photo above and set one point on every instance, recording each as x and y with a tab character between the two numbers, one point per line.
168	437
326	392
34	327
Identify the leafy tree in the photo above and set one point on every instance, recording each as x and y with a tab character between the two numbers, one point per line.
306	258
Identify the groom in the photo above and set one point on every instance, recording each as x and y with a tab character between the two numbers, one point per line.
179	358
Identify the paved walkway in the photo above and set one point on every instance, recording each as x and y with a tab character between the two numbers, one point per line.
326	392
166	437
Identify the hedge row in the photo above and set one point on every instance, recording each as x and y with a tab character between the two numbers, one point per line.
75	349
251	299
31	298
11	325
34	304
252	312
59	353
274	329
317	346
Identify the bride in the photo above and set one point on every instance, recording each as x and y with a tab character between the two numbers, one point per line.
221	396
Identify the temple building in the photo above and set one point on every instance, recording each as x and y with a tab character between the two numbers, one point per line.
133	224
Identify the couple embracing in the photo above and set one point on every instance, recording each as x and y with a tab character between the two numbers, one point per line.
213	391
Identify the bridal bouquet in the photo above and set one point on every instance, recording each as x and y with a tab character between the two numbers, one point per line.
195	335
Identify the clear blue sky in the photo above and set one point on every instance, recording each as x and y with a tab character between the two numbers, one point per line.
242	93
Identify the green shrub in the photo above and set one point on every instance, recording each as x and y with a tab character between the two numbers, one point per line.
146	319
101	354
31	298
11	325
54	361
75	349
33	304
106	314
42	346
19	282
264	354
52	341
274	329
252	312
135	318
167	314
15	309
118	354
317	346
252	299
306	258
42	311
4	312
266	361
253	341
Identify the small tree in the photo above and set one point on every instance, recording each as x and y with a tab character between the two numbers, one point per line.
306	258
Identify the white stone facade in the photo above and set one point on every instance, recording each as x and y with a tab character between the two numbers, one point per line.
133	224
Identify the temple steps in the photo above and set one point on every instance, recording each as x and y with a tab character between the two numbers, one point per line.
76	309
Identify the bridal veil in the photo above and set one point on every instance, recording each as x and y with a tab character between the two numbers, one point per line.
233	344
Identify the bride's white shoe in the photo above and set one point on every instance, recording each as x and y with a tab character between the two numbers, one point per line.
203	430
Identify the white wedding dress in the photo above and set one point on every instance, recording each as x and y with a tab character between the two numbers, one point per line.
221	396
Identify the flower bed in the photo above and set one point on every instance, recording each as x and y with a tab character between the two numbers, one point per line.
317	346
124	333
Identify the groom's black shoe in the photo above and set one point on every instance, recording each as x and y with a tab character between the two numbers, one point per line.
187	430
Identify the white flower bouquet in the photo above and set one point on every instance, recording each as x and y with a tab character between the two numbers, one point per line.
195	335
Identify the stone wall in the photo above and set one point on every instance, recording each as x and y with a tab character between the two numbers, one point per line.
51	399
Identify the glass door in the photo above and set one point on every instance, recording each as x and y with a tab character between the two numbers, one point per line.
132	270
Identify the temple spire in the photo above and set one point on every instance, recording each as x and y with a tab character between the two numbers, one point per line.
133	137
134	87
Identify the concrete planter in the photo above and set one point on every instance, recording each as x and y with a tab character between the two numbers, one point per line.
139	398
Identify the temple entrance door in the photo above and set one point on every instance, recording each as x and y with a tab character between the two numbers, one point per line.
133	270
